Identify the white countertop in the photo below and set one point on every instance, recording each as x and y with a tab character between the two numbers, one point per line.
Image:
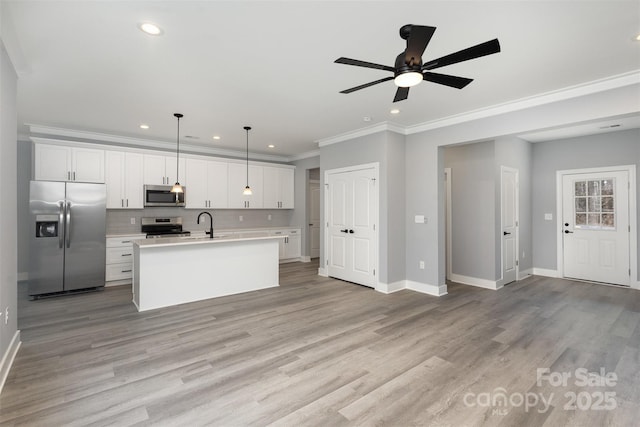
199	240
216	232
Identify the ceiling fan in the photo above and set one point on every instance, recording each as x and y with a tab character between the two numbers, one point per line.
409	69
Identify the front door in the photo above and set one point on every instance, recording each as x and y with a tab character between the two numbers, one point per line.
595	219
352	243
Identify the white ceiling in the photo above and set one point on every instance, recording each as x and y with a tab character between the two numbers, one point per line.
86	66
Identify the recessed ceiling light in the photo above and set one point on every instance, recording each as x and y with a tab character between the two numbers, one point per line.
216	137
271	146
395	111
638	38
143	126
150	28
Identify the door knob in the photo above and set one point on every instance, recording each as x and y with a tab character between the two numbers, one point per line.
567	231
344	231
351	231
566	224
505	233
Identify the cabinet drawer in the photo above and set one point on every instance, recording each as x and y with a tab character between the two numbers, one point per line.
114	242
119	271
118	255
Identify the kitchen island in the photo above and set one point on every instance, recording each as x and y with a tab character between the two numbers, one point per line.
171	271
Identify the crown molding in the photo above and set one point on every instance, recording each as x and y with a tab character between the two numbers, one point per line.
596	86
302	156
614	82
108	139
380	127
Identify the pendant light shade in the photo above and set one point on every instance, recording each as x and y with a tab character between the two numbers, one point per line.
247	190
177	188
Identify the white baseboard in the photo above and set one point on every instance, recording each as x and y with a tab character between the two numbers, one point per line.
117	283
474	281
305	258
323	272
388	288
23	276
424	288
545	272
523	274
8	358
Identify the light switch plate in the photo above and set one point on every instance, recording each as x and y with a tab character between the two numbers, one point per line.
548	217
420	219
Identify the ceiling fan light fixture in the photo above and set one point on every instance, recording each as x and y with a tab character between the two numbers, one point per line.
408	79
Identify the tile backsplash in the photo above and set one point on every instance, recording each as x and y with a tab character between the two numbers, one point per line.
119	220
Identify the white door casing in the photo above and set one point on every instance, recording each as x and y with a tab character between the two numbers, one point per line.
596	226
509	224
351	213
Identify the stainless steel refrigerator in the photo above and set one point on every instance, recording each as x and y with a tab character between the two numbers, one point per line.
67	242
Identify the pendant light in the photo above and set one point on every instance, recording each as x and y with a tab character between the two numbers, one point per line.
177	188
247	190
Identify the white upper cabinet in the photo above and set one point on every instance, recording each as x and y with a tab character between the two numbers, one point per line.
278	188
208	186
124	180
161	170
237	182
61	163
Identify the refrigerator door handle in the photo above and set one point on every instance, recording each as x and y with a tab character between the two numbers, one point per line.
67	227
60	224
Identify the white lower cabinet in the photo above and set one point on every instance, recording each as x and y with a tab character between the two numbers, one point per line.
119	260
290	246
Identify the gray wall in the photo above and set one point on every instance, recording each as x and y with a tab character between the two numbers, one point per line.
607	149
473	209
300	217
424	195
387	149
8	211
516	153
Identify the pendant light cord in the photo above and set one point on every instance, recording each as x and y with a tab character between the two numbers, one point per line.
247	128
178	150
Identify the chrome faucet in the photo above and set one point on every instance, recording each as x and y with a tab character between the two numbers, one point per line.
210	232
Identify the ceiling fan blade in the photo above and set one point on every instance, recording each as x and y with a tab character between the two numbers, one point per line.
416	44
353	89
401	94
447	80
349	61
486	48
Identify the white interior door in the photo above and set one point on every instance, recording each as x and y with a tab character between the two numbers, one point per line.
314	219
351	231
595	219
509	221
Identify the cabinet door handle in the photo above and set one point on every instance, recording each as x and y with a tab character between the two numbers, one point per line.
125	241
121	203
125	271
68	176
126	255
127	202
74	176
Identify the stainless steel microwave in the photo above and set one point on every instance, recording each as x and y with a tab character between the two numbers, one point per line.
161	195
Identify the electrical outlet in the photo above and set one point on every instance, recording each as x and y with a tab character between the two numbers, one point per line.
269	217
240	218
421	265
133	221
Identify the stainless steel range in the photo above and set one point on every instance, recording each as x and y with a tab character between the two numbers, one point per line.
163	227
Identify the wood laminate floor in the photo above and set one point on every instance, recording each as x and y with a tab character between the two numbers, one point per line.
321	352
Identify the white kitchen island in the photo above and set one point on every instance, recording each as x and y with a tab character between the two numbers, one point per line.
171	271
